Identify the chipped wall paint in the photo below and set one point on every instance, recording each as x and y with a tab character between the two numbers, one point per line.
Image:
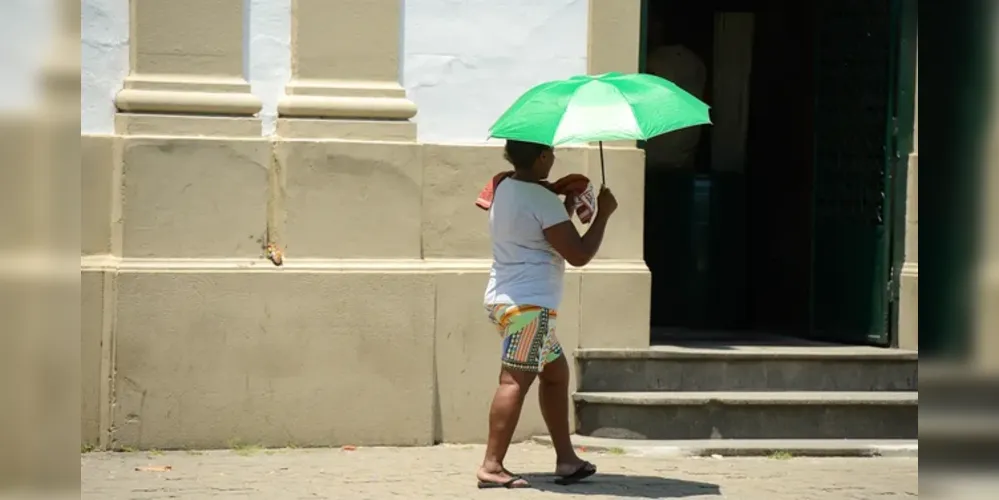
463	61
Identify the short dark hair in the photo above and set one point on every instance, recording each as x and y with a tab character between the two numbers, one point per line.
522	154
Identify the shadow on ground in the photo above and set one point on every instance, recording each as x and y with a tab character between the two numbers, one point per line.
623	486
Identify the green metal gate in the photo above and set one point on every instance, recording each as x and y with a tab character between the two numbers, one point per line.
855	158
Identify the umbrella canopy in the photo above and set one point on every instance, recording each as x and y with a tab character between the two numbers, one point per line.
608	107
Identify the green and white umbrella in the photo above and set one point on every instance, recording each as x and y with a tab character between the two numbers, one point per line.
607	107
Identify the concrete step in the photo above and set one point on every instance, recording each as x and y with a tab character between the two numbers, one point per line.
959	416
748	415
777	448
725	367
960	439
958	388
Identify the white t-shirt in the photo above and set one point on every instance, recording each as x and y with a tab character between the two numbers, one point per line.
526	269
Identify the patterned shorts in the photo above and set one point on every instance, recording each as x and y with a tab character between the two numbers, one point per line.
529	341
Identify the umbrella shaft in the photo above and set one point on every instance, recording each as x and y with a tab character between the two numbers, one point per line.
603	174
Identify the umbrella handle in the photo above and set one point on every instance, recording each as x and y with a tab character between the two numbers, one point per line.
603	173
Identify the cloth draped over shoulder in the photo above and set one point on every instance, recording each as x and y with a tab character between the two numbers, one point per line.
575	187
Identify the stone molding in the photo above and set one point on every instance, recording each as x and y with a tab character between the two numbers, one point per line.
345	69
184	64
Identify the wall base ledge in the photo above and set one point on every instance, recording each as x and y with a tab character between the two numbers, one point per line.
186	126
347	130
95	263
348	107
188	102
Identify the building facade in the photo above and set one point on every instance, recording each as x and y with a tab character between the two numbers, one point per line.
371	331
279	243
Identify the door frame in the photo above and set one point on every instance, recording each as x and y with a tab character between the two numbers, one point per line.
907	79
904	80
899	133
643	34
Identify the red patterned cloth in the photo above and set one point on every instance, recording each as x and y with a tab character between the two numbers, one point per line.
575	187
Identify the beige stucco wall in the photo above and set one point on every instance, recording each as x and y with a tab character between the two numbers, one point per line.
372	331
986	323
908	323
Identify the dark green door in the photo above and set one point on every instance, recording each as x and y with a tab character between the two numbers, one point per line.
854	153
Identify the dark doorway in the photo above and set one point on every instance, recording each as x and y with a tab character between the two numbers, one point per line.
775	219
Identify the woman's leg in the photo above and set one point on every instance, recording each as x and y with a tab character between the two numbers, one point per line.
553	396
526	342
503	416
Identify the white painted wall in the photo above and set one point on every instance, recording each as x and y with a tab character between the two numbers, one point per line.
467	60
28	32
268	34
463	61
103	62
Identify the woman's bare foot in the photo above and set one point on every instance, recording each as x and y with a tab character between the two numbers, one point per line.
498	477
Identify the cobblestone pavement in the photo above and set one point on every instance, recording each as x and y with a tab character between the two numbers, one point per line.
448	472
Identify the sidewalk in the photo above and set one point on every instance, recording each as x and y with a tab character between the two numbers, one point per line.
447	472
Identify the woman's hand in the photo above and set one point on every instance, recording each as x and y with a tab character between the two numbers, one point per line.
606	202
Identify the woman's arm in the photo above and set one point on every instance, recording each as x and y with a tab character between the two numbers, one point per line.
575	249
579	250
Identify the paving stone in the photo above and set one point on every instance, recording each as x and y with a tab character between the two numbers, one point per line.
448	472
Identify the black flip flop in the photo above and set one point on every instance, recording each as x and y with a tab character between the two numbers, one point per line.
584	471
508	484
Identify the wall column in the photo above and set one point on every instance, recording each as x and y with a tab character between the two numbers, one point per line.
345	72
986	346
614	289
186	70
908	326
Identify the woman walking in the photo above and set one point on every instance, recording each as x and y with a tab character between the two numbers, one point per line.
532	238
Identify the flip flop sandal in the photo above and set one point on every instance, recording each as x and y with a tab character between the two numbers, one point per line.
584	471
510	485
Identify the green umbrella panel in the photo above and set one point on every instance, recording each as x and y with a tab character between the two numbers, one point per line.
607	107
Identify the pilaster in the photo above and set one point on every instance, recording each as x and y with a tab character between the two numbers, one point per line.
908	326
186	74
345	72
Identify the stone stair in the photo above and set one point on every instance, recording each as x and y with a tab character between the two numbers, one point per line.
959	418
724	391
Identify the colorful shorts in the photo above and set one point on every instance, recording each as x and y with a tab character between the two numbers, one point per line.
529	341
